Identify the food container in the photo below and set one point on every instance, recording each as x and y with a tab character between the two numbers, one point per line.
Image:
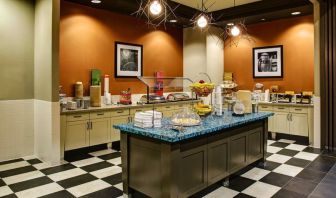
186	118
79	90
71	105
95	96
86	103
202	89
126	97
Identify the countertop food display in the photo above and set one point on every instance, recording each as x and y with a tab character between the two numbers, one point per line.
202	88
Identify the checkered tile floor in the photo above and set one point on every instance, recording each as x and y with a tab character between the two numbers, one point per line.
292	170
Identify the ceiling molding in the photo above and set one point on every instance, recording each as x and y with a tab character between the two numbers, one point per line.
260	7
252	12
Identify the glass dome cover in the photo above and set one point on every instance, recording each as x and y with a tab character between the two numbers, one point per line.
187	117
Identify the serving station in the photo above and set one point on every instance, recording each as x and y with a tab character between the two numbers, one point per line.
165	162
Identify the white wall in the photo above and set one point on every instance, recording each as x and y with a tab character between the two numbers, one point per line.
16	128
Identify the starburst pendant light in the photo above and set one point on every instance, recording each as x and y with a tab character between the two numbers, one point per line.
156	12
202	19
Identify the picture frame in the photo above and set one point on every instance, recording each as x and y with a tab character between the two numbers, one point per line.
268	62
128	60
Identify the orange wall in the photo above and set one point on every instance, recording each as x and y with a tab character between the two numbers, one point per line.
87	38
297	37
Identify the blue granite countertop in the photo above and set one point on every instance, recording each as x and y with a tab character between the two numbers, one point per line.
210	124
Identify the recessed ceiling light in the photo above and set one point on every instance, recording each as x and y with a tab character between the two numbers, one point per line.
95	1
173	21
230	24
263	19
296	13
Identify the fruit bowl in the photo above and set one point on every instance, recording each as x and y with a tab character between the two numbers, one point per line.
202	89
202	109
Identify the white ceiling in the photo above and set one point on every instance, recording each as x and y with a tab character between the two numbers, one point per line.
218	4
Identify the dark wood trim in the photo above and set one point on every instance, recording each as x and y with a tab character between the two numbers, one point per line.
328	73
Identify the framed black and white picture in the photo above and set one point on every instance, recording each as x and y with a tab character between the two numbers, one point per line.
268	62
128	60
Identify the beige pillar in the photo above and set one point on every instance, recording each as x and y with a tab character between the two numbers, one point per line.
202	52
47	113
317	99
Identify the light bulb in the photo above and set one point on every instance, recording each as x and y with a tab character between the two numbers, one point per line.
155	8
235	31
202	22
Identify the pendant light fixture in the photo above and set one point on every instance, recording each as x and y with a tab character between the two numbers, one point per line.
234	31
156	12
155	7
202	20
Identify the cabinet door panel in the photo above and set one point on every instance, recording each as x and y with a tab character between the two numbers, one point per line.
255	145
281	122
218	153
76	135
238	153
115	133
99	133
299	124
193	170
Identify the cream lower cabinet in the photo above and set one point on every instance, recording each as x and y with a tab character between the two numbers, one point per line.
76	135
264	108
298	124
99	131
293	120
281	123
115	133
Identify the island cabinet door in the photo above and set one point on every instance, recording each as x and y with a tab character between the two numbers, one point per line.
193	168
255	145
238	152
218	166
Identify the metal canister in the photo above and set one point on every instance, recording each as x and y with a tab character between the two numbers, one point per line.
86	103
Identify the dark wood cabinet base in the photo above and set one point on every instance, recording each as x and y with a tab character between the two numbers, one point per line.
171	170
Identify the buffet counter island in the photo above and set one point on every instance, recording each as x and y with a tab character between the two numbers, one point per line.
171	162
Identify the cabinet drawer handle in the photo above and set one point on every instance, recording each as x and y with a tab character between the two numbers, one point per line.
77	116
281	108
120	111
298	109
100	114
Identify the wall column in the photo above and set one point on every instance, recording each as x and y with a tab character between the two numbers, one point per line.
202	52
46	110
317	95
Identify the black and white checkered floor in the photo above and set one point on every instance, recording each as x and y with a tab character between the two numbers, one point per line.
292	170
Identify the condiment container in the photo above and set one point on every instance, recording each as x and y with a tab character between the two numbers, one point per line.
95	96
79	90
